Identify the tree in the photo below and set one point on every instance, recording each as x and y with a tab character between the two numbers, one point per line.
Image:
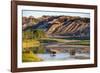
37	34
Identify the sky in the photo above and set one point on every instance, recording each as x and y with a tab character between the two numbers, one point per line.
39	13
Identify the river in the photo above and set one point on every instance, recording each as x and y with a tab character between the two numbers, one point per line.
63	51
63	56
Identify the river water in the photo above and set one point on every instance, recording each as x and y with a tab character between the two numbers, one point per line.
63	52
62	56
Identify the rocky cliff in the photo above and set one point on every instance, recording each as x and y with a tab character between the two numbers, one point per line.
60	25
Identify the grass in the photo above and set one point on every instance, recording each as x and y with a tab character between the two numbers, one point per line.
69	42
53	40
30	43
38	50
30	57
81	42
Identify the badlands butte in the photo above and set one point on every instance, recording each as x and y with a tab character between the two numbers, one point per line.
59	25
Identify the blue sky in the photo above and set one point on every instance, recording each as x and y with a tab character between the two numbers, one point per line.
38	13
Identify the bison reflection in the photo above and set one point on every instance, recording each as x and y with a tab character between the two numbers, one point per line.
52	52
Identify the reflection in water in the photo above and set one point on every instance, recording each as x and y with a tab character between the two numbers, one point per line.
61	52
63	56
60	56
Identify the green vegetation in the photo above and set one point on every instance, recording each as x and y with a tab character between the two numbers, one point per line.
38	50
30	57
81	42
30	43
37	34
52	40
68	42
34	34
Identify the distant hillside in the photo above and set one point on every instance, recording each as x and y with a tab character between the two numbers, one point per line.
29	21
59	25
